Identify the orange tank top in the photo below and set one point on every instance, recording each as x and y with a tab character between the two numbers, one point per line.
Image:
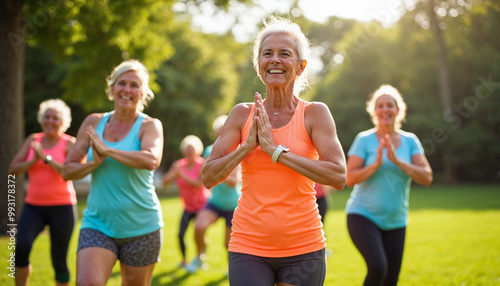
277	215
46	187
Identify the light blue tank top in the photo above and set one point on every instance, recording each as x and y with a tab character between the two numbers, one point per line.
122	202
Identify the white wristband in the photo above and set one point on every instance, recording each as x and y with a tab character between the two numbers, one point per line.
280	149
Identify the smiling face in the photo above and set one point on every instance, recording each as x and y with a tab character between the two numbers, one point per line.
278	61
386	110
127	90
51	121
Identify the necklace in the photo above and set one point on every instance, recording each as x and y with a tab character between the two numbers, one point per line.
275	112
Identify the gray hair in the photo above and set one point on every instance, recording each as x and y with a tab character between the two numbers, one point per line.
275	25
192	140
218	123
58	105
142	72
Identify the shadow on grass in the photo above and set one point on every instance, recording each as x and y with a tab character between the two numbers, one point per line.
217	282
173	274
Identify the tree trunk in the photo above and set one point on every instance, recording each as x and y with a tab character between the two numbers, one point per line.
11	110
444	84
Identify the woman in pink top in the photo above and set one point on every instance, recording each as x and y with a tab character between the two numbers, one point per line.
187	175
284	145
50	200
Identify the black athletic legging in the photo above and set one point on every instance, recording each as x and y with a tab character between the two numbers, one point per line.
185	219
382	250
61	221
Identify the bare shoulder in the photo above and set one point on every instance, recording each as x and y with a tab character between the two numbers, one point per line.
30	137
152	121
240	113
315	107
93	119
317	113
151	126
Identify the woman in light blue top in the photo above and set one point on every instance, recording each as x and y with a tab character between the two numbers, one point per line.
123	218
381	164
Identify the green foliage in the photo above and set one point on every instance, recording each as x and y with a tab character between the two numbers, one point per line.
197	84
405	56
73	45
91	37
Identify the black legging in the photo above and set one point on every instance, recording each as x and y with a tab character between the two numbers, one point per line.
322	207
185	219
61	221
382	250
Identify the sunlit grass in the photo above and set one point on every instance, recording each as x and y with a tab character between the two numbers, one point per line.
453	238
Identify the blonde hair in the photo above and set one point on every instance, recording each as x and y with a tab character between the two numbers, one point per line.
275	25
142	72
192	140
58	105
387	89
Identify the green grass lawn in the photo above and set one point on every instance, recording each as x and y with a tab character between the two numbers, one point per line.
453	238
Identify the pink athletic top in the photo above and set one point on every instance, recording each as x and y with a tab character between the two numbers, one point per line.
320	190
277	215
46	187
194	198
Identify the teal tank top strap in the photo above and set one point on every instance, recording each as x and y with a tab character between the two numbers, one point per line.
100	127
138	123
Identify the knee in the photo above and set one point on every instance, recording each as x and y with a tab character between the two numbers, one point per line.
88	281
377	272
200	228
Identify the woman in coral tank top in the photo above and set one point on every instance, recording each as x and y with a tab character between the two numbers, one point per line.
284	145
50	200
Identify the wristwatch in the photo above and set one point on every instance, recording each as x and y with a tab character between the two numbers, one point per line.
47	159
278	152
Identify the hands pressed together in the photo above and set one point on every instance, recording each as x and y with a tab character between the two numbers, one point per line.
261	132
386	142
98	147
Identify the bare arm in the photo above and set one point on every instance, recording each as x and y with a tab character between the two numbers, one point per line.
149	157
171	174
419	169
357	172
196	182
19	165
235	177
227	152
330	168
73	168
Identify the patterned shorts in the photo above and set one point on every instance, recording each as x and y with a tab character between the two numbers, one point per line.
134	251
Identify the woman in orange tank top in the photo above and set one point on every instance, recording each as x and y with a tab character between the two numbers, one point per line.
284	145
50	200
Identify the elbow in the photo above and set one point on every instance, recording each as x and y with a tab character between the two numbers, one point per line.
66	175
338	182
350	181
341	183
428	181
153	165
207	181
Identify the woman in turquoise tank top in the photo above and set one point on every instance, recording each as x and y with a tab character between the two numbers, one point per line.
123	218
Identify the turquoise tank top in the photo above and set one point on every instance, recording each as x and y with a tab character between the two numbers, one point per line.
122	201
